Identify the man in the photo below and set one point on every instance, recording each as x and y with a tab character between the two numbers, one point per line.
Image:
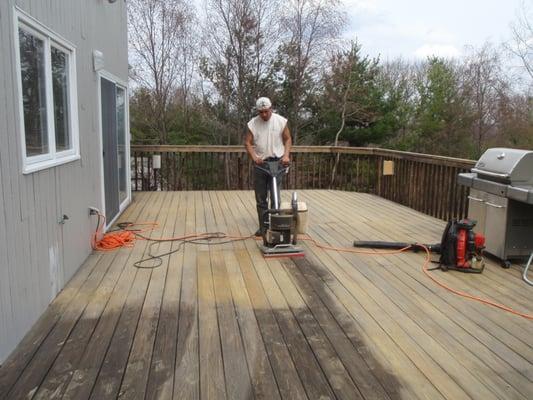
269	133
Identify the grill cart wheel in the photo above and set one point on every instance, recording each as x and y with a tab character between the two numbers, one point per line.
506	264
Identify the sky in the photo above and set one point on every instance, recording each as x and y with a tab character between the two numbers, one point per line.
416	29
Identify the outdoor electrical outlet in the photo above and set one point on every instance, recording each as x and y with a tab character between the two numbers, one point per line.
93	211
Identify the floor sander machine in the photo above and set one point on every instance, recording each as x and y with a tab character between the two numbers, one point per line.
280	223
460	248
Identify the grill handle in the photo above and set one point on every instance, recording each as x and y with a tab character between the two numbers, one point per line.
489	173
476	199
494	205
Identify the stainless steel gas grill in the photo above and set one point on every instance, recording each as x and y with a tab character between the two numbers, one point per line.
501	200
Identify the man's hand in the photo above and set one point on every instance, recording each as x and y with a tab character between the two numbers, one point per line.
258	161
287	144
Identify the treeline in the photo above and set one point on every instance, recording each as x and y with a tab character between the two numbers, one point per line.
197	75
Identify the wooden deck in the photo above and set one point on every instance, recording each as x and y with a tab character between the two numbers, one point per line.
220	322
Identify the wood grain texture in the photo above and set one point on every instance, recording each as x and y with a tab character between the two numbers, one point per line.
220	321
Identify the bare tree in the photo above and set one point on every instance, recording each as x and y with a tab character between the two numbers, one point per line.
312	27
397	78
347	88
240	38
522	38
515	127
483	85
160	53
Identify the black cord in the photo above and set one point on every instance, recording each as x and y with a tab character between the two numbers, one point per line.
204	239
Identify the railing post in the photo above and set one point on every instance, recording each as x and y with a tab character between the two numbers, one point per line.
379	169
136	171
226	171
240	167
142	172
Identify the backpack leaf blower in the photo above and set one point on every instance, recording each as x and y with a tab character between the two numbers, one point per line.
460	248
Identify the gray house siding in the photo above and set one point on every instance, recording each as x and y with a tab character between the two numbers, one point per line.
37	254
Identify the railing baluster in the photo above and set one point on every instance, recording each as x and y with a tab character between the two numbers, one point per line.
424	182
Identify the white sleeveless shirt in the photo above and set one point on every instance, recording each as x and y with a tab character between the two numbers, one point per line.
268	138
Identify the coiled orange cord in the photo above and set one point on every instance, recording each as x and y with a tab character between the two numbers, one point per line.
114	240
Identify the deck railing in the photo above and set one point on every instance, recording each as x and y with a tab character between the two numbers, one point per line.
424	182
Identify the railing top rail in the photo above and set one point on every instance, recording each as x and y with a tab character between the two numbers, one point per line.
428	158
393	154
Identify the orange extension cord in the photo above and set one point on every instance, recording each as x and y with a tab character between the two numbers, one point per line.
425	269
466	295
127	237
114	240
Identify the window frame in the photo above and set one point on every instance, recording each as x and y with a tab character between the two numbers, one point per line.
50	39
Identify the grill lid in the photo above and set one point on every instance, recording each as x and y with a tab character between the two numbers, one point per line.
506	165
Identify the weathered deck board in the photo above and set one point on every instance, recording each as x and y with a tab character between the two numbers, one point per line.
58	377
186	376
114	364
87	370
215	322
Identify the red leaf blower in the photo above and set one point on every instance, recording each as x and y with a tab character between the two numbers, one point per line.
460	248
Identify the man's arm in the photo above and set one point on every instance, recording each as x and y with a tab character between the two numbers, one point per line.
249	145
287	143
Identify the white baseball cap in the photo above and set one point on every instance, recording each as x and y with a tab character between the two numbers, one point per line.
263	103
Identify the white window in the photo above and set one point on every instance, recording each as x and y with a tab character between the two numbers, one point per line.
46	66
